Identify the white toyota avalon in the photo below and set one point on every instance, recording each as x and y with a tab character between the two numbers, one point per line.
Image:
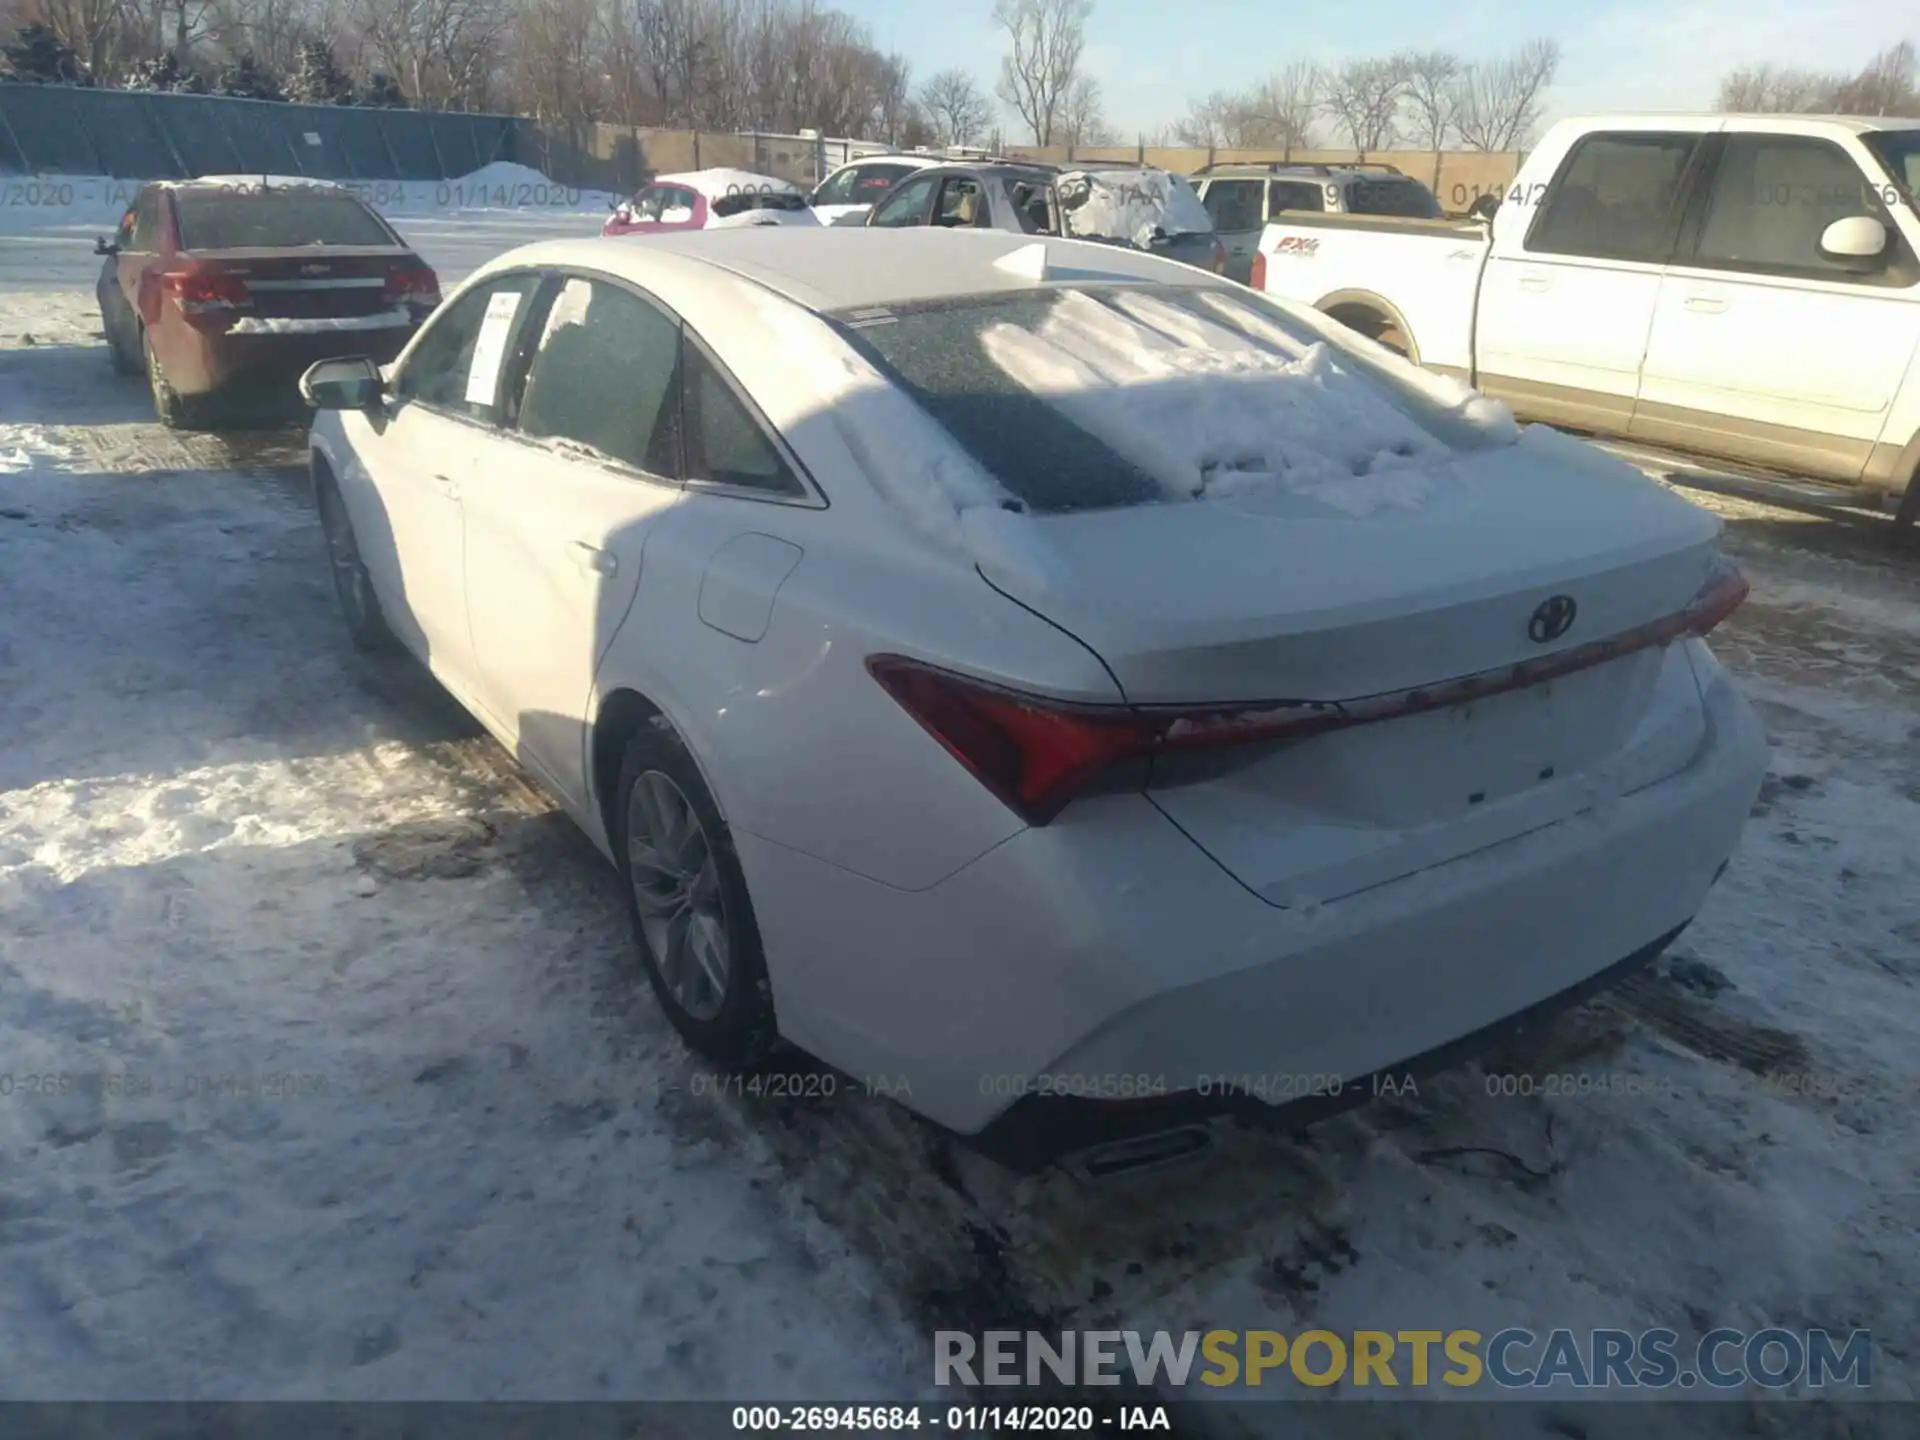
1057	679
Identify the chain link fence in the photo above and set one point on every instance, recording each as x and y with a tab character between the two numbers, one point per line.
131	134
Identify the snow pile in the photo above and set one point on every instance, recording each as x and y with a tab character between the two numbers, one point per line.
1207	411
1130	205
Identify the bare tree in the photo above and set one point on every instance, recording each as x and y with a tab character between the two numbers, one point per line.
1884	87
1364	97
1288	101
1083	118
1045	40
955	106
1772	89
1500	101
1210	121
1433	95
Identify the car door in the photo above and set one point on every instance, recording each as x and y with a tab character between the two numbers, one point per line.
413	462
557	521
135	267
1239	214
1763	348
116	312
1563	315
908	203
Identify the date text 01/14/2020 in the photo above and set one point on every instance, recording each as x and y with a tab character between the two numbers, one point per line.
952	1419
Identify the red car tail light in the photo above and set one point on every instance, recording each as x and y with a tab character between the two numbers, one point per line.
1258	279
201	291
1037	754
412	285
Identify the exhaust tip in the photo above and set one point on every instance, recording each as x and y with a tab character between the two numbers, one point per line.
1148	1152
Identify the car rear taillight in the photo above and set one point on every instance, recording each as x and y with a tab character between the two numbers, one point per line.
201	291
1258	279
1036	754
412	285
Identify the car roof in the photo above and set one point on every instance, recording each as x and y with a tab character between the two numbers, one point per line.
841	268
720	181
919	162
255	182
1020	168
1699	120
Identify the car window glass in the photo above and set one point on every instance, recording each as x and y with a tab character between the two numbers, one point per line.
1293	195
677	205
963	204
603	375
875	181
1234	204
907	203
837	189
275	220
725	444
1028	201
1398	197
457	364
146	220
1772	197
1614	198
649	202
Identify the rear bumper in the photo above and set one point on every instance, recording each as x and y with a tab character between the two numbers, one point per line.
1106	955
274	363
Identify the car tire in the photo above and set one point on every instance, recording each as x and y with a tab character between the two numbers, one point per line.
123	364
692	920
352	586
173	409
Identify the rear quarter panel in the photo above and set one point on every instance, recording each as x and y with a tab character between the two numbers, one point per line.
1425	273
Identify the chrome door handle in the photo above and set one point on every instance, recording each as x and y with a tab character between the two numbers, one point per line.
1535	282
445	485
592	558
1705	304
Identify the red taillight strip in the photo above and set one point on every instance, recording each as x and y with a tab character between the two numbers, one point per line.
1036	753
1716	600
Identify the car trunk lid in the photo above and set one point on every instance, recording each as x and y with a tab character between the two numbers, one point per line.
1528	556
319	282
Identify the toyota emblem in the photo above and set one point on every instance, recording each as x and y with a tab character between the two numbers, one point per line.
1552	619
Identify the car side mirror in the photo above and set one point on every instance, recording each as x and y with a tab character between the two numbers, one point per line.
104	246
352	384
1858	242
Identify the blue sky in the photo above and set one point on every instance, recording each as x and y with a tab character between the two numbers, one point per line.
1151	56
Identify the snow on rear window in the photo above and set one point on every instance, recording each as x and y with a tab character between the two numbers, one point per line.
275	220
1087	398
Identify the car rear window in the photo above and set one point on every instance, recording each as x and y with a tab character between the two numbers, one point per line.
281	220
941	355
757	200
1406	198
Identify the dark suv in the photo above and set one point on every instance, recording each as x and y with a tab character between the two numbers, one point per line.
1138	206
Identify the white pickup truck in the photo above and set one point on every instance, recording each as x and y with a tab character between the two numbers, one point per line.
1743	287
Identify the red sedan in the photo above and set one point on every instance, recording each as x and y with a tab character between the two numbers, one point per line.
225	289
709	200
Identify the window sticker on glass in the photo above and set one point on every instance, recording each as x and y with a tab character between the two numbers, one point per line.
483	376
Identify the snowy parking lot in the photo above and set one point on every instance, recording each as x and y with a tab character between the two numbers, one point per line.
326	1068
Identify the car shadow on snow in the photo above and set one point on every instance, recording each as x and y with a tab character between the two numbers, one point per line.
160	624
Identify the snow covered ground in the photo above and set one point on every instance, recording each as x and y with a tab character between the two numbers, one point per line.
325	1069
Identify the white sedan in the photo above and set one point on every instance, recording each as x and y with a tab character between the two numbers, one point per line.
1037	675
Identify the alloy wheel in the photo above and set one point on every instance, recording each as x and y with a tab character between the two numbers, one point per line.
676	889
